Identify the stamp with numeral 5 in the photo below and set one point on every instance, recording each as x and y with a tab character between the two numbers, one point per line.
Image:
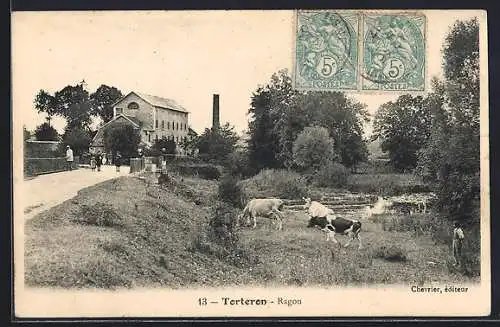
394	52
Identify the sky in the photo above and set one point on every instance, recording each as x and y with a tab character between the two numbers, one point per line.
182	55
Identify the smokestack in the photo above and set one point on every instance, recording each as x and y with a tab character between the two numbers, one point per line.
215	113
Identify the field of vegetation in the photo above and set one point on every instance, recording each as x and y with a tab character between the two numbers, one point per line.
132	232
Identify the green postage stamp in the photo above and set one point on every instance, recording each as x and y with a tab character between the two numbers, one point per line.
340	50
326	52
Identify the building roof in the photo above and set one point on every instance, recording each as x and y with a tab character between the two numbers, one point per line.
156	101
161	102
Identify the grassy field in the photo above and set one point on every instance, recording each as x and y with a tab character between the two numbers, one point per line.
128	232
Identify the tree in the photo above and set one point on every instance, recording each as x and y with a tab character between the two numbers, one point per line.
46	103
217	144
45	132
313	149
78	138
457	160
75	105
102	99
267	104
403	128
279	113
123	138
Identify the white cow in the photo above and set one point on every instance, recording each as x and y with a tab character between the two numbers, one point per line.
316	209
268	208
380	207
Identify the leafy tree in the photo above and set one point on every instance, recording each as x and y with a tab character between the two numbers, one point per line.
45	132
458	177
313	149
45	103
279	114
123	138
102	99
216	145
78	138
75	105
267	103
403	128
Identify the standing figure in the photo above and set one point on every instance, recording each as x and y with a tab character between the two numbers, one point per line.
458	240
103	157
92	163
98	161
118	161
69	158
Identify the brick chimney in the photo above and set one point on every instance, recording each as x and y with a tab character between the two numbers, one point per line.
215	112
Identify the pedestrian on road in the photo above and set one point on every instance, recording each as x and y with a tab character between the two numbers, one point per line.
118	161
103	156
98	161
69	158
92	162
458	240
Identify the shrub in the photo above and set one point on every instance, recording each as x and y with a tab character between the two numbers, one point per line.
313	149
238	163
392	253
206	171
221	239
276	183
99	214
231	192
331	175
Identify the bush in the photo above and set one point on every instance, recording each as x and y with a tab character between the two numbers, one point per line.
313	149
331	175
279	183
221	239
206	171
238	164
231	192
392	253
99	214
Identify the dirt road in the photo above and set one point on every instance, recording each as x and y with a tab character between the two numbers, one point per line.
45	191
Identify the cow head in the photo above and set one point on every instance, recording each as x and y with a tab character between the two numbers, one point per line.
307	203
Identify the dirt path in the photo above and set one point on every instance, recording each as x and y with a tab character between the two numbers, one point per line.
46	191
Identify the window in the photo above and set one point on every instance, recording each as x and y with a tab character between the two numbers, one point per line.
119	111
177	125
149	137
168	125
133	105
156	123
162	124
177	139
156	137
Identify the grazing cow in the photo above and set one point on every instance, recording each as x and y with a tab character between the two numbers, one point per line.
381	206
340	226
268	208
316	209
